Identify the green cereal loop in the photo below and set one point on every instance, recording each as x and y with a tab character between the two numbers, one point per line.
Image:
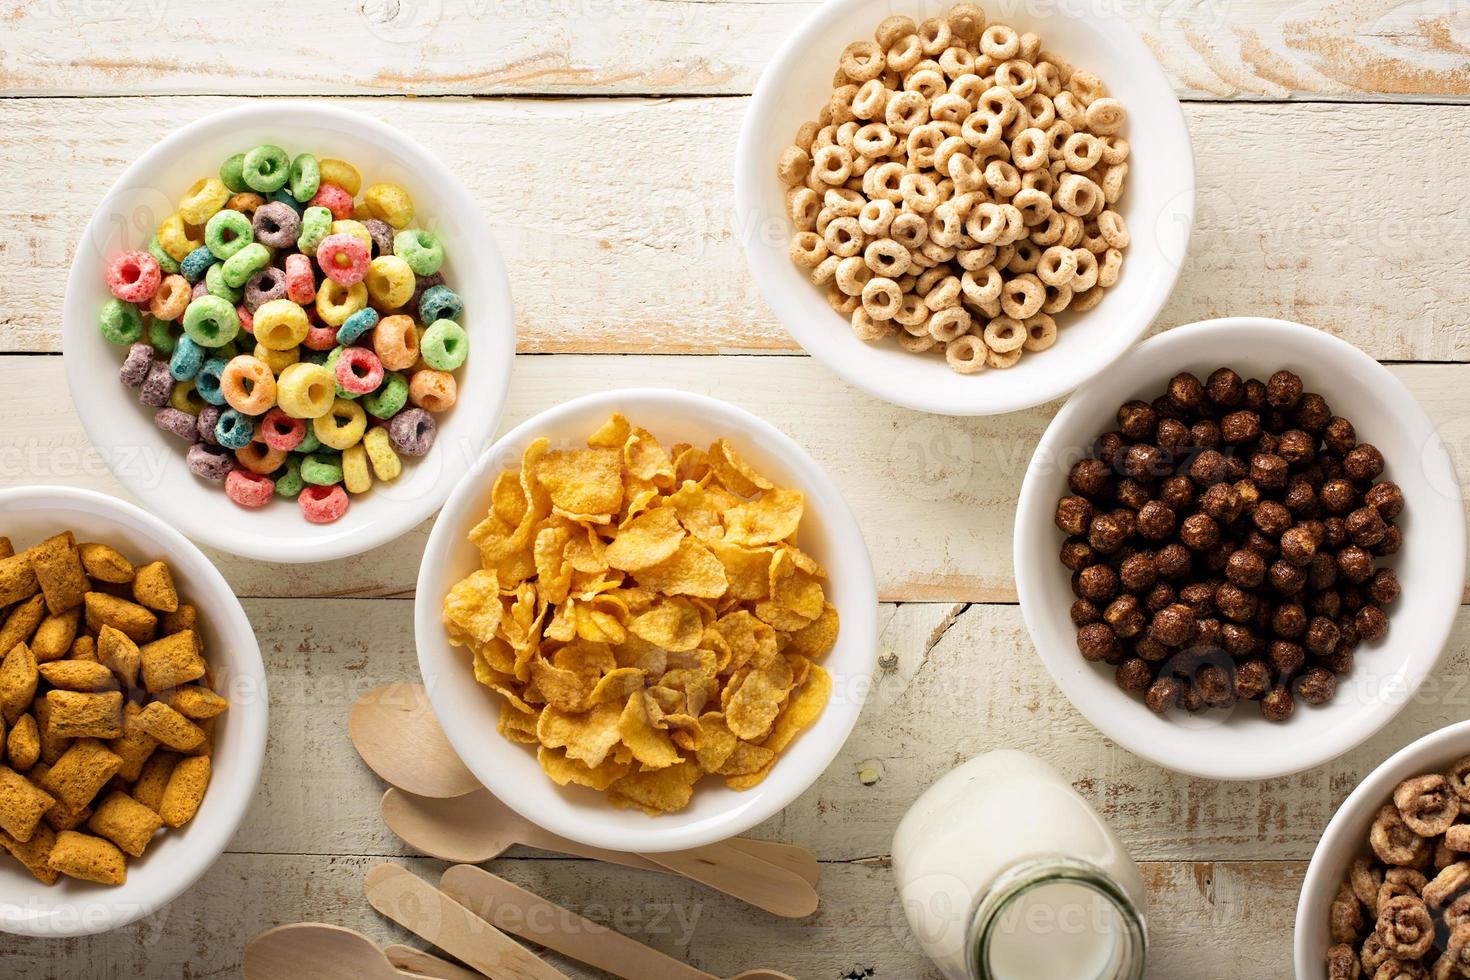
211	322
163	336
444	345
228	351
266	168
214	283
121	322
320	470
420	249
238	268
232	174
288	479
331	365
306	177
226	233
316	224
390	397
166	262
311	443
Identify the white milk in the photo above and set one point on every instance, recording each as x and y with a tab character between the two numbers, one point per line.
1005	873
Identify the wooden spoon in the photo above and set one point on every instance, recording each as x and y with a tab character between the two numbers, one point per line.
317	950
477	827
431	915
394	730
427	964
532	917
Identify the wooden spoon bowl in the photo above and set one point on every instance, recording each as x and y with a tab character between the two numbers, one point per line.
316	950
394	730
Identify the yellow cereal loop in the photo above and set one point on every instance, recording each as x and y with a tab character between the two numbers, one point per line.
280	325
356	229
203	199
336	302
341	173
342	426
379	446
390	282
355	475
277	360
185	398
174	238
390	203
360	212
305	390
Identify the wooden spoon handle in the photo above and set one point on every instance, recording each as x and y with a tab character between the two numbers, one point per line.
431	915
789	857
532	917
547	841
730	870
422	964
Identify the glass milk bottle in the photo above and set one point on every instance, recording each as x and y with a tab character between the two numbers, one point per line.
1005	873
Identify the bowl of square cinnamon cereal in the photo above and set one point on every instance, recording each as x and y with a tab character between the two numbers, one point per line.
974	214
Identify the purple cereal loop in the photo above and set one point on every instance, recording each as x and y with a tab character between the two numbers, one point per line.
412	432
209	463
276	224
176	422
382	236
208	419
157	385
134	370
421	283
267	284
200	289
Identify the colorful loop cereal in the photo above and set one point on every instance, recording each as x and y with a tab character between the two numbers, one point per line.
267	284
388	400
214	285
265	169
342	259
188	357
208	419
323	505
316	224
121	322
196	264
310	444
245	263
207	380
249	489
283	196
209	462
336	302
234	430
440	303
389	202
382	235
288	480
202	200
355	474
248	385
186	399
135	367
281	431
171	298
157	386
276	225
334	199
356	229
306	177
390	282
134	277
166	262
306	391
341	173
396	342
420	249
433	391
277	360
232	174
211	322
300	280
357	324
385	462
280	324
163	335
412	431
247	319
341	427
257	457
444	345
321	470
176	422
174	237
321	337
358	371
245	202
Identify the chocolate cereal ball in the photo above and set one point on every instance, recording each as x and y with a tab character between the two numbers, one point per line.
1371	622
1224	388
1240	427
1299	545
1090	478
1135	675
1363	463
1163	694
1283	390
1339	435
1252	680
1098	583
1137	421
1097	642
1277	704
1339	496
1386	498
1317	685
1084	611
1322	636
1383	587
1365	527
1074	515
1172	625
1138	572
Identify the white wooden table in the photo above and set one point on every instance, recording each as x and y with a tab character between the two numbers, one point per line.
599	136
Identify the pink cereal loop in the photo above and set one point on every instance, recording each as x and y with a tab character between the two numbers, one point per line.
247	319
334	199
300	282
322	505
280	431
133	277
343	259
320	337
249	489
359	371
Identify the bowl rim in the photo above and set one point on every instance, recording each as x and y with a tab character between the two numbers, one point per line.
761	802
1373	791
1030	511
751	173
489	265
245	772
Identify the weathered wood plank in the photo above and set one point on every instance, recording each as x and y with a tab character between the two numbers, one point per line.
934	496
1210	48
616	217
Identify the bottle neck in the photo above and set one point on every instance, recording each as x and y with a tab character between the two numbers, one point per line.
1056	916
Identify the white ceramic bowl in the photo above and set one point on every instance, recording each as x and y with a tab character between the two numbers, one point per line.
150	463
176	858
1158	206
1346	837
468	711
1239	743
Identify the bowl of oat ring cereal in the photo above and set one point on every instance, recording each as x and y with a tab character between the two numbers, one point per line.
979	211
1240	551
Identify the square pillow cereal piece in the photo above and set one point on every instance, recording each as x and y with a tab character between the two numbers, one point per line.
58	569
138	623
153	587
185	791
88	858
56	633
34	853
75	714
126	822
21	624
105	563
17	579
22	804
18	679
170	728
81	772
171	661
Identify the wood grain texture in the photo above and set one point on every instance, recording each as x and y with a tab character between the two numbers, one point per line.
934	496
1217	49
1338	216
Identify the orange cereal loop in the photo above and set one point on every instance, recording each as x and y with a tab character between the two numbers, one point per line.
245	202
396	342
257	457
171	299
248	385
433	391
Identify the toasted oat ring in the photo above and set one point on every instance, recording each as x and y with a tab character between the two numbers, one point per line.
1058	298
904	53
852	275
802	205
966	21
887	257
1000	42
1058	266
1111	227
909	230
1041	332
807	249
871	99
832	164
935	34
866	328
920	192
1115	150
826	271
1022	297
950	323
882	298
1082	152
1110	268
905	111
1004	334
862	61
876	217
1029	150
1017	77
874	140
916	343
982	130
966	355
912	313
793	165
983	285
1077	195
1003	178
843	237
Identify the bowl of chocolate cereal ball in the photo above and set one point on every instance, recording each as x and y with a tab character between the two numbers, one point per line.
1240	551
980	209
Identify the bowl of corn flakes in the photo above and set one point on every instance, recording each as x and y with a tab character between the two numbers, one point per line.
646	620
